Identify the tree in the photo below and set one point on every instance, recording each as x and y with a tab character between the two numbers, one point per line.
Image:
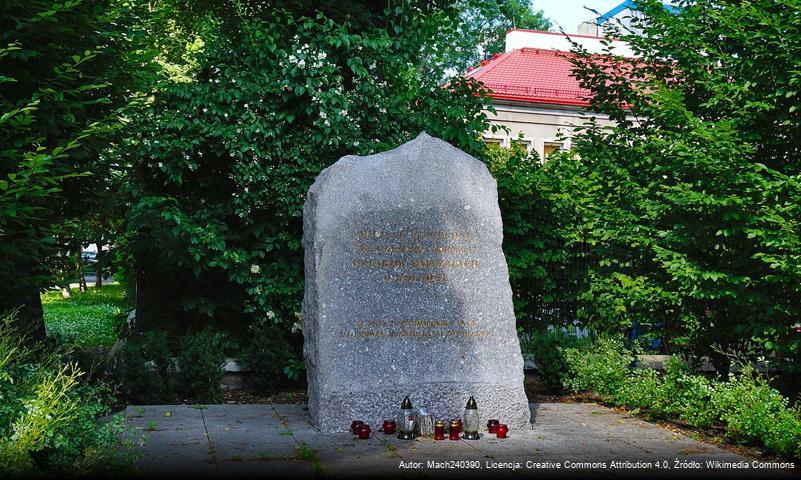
53	103
223	161
694	196
479	31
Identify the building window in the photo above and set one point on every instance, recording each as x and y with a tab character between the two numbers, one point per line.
549	148
493	142
523	143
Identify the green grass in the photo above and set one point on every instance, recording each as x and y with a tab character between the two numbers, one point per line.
87	319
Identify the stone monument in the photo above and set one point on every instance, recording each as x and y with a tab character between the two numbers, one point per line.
407	290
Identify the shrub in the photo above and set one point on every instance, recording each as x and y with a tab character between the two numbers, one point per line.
549	351
49	416
604	369
201	361
685	395
267	355
749	409
144	369
756	413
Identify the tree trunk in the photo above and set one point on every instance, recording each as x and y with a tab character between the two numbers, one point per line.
79	268
98	275
98	263
29	318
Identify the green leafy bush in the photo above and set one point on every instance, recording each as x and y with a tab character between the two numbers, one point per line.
685	395
749	409
221	164
49	416
144	369
268	355
754	412
200	362
691	201
604	369
548	349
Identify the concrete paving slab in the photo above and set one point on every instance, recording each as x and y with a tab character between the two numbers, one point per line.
175	440
258	440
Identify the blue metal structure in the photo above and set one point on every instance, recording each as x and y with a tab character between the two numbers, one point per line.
628	4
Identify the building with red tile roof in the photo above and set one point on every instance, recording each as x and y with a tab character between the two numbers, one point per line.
534	92
532	75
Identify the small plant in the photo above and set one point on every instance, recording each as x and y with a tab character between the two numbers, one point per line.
144	369
754	412
151	426
749	409
305	452
49	415
201	361
549	352
267	355
604	369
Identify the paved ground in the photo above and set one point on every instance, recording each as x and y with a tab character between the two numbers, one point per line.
261	440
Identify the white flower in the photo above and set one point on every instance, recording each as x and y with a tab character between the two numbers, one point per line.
255	269
270	314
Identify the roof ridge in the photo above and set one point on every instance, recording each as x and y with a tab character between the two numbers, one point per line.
492	63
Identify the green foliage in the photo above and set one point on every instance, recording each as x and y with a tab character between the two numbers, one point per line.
201	363
543	248
603	369
49	417
754	412
478	31
749	409
86	319
549	352
686	395
62	88
222	162
690	205
144	369
266	356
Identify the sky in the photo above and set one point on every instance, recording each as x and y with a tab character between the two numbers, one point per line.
569	13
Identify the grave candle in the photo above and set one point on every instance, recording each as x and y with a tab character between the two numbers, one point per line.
439	430
389	427
406	420
492	425
471	420
501	431
455	429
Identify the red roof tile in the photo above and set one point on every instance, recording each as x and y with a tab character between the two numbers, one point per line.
532	75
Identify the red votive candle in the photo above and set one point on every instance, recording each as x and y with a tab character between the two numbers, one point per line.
501	431
389	427
492	426
355	426
455	429
439	430
364	432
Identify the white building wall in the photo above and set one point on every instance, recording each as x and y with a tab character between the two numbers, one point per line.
517	39
539	125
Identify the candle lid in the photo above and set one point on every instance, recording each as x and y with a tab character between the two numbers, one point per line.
407	404
471	404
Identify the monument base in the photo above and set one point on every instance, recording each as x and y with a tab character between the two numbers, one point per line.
442	400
